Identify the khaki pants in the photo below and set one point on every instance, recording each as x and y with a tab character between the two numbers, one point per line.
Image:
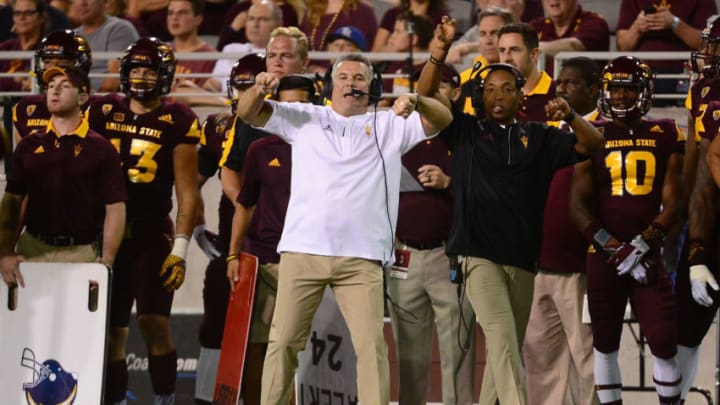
427	298
264	305
501	297
558	344
358	288
35	250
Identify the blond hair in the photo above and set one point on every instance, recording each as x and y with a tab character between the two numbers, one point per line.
292	32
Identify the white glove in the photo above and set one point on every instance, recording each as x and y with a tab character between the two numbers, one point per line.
699	276
206	240
630	255
639	273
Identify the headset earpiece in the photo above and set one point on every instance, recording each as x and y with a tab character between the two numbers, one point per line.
478	82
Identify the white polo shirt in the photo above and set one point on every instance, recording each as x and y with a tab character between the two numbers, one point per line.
338	204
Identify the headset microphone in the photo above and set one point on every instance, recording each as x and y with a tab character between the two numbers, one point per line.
357	93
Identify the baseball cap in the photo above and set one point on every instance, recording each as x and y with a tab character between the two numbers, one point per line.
350	33
77	77
448	74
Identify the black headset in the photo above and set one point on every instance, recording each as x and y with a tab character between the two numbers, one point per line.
374	93
478	81
299	82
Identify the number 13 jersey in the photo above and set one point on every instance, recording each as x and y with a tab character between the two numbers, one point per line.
146	143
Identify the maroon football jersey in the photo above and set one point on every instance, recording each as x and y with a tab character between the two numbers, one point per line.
701	94
267	187
30	114
711	120
630	171
146	143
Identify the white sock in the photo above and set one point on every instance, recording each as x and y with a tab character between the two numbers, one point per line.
206	373
608	382
666	375
688	358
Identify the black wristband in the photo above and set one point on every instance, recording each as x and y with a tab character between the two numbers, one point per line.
570	117
435	61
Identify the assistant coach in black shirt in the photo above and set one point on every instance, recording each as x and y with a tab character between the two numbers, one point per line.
502	171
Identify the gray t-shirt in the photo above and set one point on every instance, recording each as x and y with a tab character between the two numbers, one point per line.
114	35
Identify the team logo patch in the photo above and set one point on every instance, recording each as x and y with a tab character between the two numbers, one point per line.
704	91
166	118
51	383
656	128
274	163
39	149
106	108
77	150
367	130
118	116
716	115
30	109
524	140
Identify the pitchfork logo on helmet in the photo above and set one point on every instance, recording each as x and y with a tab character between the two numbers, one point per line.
152	54
634	76
706	60
51	384
64	45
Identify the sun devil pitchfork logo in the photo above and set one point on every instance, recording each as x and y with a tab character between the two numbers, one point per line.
51	384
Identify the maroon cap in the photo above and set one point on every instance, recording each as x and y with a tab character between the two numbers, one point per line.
77	77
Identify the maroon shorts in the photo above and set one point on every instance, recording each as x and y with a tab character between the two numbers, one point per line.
694	320
653	305
136	274
216	291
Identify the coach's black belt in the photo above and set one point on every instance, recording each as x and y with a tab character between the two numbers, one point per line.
65	240
423	245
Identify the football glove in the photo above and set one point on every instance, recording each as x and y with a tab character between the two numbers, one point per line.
172	272
207	240
629	255
700	277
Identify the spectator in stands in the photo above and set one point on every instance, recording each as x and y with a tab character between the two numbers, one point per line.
104	33
525	10
347	39
401	41
56	18
568	27
213	17
432	9
153	15
645	25
325	16
476	38
489	22
468	41
30	22
233	29
184	19
118	8
263	18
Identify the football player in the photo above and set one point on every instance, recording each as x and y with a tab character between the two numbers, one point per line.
59	48
157	143
698	267
216	289
616	201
